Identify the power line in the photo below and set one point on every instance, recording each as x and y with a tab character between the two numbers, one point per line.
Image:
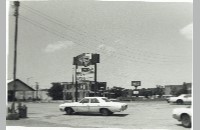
51	19
148	56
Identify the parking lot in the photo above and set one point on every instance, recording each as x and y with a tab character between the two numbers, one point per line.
139	115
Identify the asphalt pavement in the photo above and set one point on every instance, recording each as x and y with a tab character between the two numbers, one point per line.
139	115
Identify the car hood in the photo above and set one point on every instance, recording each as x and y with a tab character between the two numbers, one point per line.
187	110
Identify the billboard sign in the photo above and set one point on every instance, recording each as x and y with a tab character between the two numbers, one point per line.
136	83
83	59
135	92
86	59
85	73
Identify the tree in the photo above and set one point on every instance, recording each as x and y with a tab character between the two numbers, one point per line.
158	91
56	91
173	91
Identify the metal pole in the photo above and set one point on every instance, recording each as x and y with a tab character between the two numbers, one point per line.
16	4
37	87
76	85
73	71
95	79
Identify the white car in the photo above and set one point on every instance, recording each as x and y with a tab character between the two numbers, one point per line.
181	99
184	115
93	105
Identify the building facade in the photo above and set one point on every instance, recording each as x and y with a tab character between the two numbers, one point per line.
170	88
21	91
86	89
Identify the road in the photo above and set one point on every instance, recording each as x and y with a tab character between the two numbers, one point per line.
139	115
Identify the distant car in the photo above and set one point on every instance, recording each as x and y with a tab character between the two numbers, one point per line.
93	105
167	97
183	115
183	98
114	100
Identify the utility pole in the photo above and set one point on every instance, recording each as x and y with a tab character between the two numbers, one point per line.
16	13
12	114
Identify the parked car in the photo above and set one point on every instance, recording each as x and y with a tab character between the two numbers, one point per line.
183	115
167	97
181	99
114	100
93	105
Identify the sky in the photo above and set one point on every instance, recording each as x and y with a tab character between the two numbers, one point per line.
149	42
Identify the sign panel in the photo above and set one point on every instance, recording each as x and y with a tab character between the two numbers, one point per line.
136	83
135	92
85	73
86	59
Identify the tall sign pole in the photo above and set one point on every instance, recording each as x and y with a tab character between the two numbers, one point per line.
83	75
95	80
95	60
136	84
76	84
75	75
16	13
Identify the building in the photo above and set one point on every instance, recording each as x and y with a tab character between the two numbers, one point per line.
85	89
22	91
170	88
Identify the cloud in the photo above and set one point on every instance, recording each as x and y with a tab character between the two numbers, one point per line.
187	31
58	46
106	49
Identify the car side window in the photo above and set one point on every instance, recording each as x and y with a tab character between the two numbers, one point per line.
85	101
106	100
94	100
187	96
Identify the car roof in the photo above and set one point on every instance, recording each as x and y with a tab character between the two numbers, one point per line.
185	94
94	97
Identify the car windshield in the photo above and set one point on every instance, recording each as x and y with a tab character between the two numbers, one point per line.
106	100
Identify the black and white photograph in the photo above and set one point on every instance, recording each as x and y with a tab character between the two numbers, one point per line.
99	64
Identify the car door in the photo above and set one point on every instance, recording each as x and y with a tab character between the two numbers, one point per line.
83	105
94	105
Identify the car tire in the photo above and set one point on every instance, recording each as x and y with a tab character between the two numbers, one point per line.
105	112
186	120
179	102
69	111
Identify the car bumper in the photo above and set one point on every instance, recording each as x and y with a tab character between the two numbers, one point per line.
124	107
176	117
61	109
